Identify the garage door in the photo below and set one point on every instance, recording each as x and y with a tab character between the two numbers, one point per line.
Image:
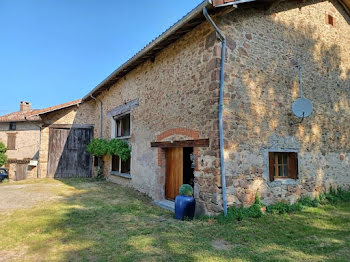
67	155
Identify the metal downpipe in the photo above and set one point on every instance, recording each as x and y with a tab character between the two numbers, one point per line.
101	113
221	106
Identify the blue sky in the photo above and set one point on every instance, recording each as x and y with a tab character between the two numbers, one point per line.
55	51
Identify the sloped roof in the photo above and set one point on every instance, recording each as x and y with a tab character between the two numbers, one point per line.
34	115
20	116
179	29
55	108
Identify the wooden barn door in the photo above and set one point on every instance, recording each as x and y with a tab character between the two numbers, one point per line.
21	172
174	172
67	155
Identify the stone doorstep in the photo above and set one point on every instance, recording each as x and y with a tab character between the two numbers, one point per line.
166	204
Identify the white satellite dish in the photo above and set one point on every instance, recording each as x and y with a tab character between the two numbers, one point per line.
302	107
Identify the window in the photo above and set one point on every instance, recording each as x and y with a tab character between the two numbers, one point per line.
330	20
120	166
122	126
11	141
12	126
283	165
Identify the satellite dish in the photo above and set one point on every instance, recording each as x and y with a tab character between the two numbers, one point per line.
302	107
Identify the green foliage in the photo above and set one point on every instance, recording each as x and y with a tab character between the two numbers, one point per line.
99	173
308	202
97	147
258	200
186	190
3	156
101	147
119	148
334	196
241	213
283	208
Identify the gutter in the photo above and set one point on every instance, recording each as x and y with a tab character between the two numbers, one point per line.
221	106
101	114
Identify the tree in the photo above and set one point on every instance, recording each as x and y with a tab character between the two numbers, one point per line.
3	156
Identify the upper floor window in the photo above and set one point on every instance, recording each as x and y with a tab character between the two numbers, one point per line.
11	141
12	126
283	165
122	126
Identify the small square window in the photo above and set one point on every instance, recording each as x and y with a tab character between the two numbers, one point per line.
12	126
283	165
122	126
330	20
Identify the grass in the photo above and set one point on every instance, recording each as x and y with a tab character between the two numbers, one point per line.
99	221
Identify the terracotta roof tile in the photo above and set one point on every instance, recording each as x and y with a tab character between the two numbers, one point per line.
34	115
20	116
54	108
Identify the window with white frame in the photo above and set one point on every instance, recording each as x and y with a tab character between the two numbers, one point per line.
122	126
122	130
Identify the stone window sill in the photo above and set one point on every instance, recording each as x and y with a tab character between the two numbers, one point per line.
285	181
123	175
123	137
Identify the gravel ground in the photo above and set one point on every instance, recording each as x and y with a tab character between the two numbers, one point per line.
26	195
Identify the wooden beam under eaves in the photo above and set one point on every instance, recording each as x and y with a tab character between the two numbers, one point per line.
184	143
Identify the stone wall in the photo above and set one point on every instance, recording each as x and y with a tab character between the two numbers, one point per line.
178	99
261	85
27	139
178	91
27	147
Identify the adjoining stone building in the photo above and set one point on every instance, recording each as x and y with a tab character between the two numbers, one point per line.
165	102
21	135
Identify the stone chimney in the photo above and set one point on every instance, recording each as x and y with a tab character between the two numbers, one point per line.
24	106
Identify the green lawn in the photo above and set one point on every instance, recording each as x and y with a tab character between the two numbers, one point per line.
99	221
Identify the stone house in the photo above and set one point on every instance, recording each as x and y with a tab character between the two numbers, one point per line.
165	103
22	132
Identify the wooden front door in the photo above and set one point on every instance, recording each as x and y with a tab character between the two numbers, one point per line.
67	155
174	172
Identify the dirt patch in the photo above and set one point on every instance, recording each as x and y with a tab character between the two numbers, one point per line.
26	196
221	244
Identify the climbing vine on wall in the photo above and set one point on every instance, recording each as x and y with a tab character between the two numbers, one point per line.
101	147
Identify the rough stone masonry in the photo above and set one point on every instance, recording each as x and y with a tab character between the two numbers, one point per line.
178	98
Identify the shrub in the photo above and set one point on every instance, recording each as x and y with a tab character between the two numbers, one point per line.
119	148
186	190
334	196
3	156
308	202
97	147
278	208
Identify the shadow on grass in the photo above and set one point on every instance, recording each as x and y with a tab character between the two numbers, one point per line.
106	222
